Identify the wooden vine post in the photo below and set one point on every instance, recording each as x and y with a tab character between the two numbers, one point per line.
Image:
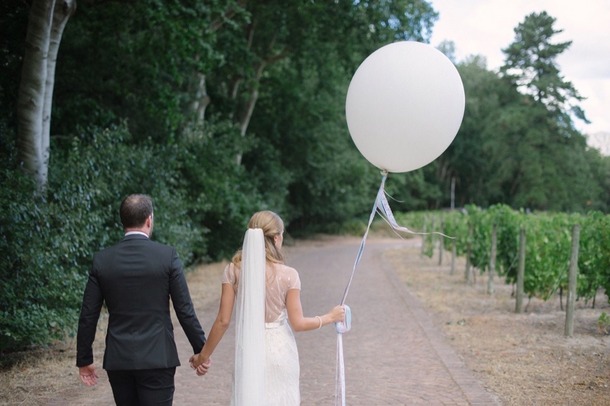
453	256
441	245
520	271
467	275
572	274
492	260
423	238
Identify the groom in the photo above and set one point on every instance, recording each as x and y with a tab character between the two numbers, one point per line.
136	279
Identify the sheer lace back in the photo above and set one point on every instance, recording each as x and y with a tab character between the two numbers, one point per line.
279	280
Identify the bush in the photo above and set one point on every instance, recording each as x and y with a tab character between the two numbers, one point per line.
40	284
46	246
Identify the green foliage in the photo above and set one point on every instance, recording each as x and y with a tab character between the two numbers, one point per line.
531	63
46	247
40	282
303	151
547	254
220	195
110	168
136	60
13	23
593	259
479	237
548	245
517	144
508	223
456	226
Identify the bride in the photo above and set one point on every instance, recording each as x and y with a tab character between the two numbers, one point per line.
268	297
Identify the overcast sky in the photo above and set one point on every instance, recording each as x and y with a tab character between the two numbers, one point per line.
485	27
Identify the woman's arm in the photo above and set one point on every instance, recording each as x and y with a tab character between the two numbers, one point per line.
220	326
301	323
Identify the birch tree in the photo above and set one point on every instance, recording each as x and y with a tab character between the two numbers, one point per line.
47	20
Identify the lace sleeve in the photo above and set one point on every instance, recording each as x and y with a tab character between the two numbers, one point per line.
229	275
293	281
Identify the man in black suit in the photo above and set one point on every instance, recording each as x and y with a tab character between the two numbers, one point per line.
136	278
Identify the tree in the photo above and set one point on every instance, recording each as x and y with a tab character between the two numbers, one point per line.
473	158
47	20
305	35
540	167
300	138
517	144
531	65
145	61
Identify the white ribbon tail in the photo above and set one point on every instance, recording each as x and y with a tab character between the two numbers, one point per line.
382	207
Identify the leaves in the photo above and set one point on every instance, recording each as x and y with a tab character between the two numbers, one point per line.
548	245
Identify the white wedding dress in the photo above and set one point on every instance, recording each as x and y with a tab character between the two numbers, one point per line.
280	367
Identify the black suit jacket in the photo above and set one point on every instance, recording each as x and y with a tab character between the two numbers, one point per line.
136	278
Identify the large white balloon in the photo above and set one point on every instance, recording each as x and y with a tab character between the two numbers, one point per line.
404	106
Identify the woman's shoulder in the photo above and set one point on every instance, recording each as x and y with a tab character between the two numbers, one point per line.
230	273
286	268
287	272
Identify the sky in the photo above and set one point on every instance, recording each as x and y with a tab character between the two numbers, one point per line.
485	27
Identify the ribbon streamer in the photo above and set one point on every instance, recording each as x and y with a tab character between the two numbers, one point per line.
340	377
382	207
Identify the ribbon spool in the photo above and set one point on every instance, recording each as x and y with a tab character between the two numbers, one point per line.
345	326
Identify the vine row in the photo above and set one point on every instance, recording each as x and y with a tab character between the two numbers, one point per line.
548	245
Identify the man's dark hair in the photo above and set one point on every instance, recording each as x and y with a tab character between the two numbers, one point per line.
135	209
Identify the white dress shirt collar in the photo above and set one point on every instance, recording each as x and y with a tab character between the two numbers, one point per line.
135	232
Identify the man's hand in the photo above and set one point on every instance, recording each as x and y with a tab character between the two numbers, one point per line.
87	375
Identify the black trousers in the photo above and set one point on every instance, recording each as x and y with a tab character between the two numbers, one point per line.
143	387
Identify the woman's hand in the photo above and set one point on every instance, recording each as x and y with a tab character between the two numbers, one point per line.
202	369
337	314
200	364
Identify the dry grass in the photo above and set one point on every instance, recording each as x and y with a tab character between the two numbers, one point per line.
524	358
38	375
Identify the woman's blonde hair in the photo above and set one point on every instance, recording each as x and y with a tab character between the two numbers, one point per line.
272	225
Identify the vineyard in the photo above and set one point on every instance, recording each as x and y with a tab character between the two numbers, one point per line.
534	251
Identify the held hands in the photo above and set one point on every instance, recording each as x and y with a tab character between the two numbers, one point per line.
87	375
199	364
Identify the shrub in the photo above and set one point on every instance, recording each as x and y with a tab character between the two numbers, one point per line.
46	246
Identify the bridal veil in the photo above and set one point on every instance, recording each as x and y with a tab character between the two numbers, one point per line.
249	386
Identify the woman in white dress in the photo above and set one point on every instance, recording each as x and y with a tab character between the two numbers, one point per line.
268	297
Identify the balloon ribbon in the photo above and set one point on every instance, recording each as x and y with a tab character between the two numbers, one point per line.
382	207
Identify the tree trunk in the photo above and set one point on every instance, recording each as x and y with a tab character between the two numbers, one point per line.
47	20
200	100
196	106
248	108
245	110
